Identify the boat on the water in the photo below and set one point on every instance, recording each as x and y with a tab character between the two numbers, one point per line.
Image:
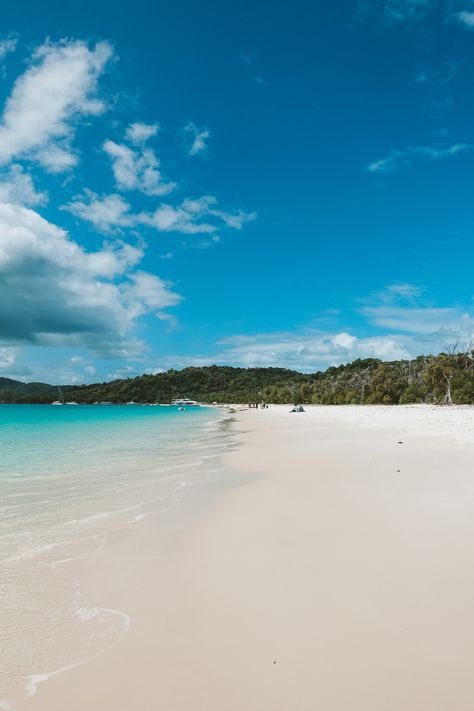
185	402
61	399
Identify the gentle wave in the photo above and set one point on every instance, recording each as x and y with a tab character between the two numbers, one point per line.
119	471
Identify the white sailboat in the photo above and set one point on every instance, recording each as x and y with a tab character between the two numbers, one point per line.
61	399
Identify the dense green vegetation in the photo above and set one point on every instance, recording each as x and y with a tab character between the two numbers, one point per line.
444	379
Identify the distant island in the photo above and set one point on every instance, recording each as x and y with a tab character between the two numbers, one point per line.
447	378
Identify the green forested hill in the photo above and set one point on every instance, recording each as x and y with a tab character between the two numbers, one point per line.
443	379
15	389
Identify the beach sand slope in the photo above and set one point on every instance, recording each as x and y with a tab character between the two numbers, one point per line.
338	575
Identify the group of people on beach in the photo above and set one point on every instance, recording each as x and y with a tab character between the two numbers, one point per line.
261	405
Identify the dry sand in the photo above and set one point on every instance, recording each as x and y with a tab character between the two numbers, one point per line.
338	575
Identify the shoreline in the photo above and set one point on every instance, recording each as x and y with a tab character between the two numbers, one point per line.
332	569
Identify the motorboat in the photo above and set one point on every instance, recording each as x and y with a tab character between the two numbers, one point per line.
182	402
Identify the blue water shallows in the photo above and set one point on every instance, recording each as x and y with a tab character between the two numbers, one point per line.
69	476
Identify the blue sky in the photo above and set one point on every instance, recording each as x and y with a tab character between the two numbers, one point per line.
250	183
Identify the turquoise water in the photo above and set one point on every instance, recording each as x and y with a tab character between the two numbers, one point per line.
69	477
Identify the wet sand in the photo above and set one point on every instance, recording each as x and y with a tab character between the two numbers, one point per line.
335	573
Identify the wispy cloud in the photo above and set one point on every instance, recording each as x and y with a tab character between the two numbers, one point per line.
199	138
394	11
398	159
39	117
195	216
7	45
191	216
442	74
466	18
248	58
407	326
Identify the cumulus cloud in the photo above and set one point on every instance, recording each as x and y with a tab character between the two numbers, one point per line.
18	187
139	132
137	169
53	292
104	212
198	138
397	160
59	86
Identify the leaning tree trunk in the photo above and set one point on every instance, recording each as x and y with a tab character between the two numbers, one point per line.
447	400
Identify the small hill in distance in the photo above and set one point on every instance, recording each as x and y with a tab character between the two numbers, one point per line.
447	378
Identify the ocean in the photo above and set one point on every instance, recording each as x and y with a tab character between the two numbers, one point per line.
69	477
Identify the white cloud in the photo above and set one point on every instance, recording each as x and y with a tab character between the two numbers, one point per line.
58	87
137	170
53	292
466	18
407	328
7	357
391	11
408	9
198	137
139	132
148	292
396	159
7	45
198	216
416	331
443	74
18	187
401	307
191	216
104	212
236	219
414	320
168	218
404	290
304	351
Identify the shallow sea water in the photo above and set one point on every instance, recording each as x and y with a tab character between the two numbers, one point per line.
69	477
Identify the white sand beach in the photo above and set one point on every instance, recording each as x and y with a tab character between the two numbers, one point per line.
333	571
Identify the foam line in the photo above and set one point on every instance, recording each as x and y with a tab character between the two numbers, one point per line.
34	680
